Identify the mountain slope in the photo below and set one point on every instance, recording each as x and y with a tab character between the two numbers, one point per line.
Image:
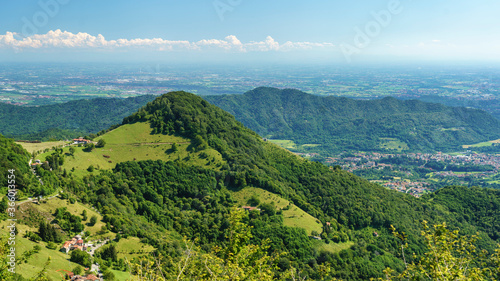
79	117
194	200
341	123
13	157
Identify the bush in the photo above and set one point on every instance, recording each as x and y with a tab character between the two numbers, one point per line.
93	220
51	245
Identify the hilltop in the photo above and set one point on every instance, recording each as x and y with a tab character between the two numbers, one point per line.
337	123
66	120
160	192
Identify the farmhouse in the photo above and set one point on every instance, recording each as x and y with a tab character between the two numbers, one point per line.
80	140
249	208
75	243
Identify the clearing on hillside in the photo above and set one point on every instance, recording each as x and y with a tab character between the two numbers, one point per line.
294	216
40	147
134	142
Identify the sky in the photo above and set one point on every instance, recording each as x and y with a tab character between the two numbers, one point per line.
327	31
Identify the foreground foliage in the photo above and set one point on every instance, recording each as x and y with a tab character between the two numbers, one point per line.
449	256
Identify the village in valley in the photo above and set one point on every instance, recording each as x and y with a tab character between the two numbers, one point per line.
419	173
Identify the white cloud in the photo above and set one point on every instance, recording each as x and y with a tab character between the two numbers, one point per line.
56	39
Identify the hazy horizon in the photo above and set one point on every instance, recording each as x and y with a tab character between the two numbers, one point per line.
230	31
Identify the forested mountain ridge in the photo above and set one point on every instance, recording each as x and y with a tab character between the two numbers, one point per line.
339	123
330	195
195	201
71	118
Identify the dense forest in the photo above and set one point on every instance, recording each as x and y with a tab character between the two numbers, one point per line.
157	201
13	156
339	124
71	119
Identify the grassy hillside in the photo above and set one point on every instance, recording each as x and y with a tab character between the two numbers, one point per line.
134	142
292	215
341	123
36	262
159	202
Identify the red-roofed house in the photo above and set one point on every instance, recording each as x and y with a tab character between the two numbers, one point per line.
80	140
66	247
249	208
91	277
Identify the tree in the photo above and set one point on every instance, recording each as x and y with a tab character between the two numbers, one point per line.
109	253
84	215
71	150
89	147
450	256
81	257
4	204
93	220
90	168
268	208
101	143
109	275
199	143
174	147
253	201
77	270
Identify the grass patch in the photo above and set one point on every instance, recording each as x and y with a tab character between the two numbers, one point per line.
293	217
451	129
39	147
50	206
393	144
311	145
288	144
132	247
332	247
122	276
134	142
482	144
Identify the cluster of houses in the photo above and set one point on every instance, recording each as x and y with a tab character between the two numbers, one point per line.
75	243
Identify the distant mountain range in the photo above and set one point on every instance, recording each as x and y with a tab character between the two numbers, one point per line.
67	119
313	123
338	123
